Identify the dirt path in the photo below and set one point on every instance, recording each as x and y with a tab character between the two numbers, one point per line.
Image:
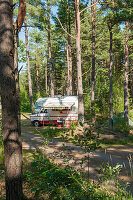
67	153
116	154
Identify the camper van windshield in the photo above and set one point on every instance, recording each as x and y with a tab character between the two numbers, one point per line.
37	106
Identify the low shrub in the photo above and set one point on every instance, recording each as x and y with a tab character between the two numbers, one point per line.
57	183
121	125
52	132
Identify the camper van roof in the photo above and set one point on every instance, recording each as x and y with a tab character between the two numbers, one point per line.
58	105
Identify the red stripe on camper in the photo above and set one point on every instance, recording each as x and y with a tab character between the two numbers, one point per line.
56	116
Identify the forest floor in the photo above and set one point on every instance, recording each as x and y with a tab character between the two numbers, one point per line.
66	153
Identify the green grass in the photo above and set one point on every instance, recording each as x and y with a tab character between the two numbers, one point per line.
131	114
52	181
129	140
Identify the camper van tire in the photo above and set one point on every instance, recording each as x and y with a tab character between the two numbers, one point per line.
36	123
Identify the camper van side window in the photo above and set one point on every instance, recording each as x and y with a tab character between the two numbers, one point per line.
44	111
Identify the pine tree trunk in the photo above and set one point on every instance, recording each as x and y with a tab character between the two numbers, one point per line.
16	41
46	74
10	119
93	76
66	74
37	74
126	74
79	70
51	77
28	69
132	87
74	74
111	84
69	53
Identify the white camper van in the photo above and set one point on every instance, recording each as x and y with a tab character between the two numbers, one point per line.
60	110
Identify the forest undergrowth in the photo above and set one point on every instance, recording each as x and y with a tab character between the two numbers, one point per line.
43	179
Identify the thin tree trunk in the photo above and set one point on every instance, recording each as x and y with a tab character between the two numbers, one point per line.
132	87
67	68
17	27
69	53
111	84
79	70
10	119
51	77
28	69
16	40
46	75
37	74
93	76
126	74
74	73
114	64
64	56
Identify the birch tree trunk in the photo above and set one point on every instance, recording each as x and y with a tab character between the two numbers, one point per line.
126	74
51	77
10	119
28	69
79	70
93	76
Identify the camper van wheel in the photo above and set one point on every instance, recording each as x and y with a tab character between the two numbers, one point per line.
36	123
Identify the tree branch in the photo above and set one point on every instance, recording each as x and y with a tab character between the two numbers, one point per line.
64	28
89	7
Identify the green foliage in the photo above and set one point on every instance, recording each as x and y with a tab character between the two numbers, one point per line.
55	182
52	132
110	173
107	14
1	145
25	102
111	141
24	98
121	125
58	183
1	135
88	141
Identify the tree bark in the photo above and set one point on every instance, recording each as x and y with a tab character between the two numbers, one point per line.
21	15
51	77
37	74
110	79
93	73
46	74
17	28
10	119
28	69
66	71
126	74
69	49
132	87
17	73
79	70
